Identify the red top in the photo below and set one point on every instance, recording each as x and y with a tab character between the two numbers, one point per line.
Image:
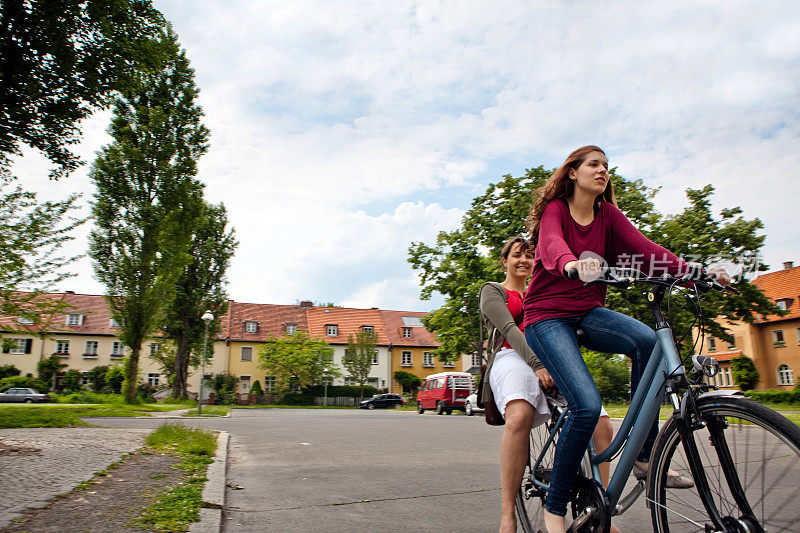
515	308
610	237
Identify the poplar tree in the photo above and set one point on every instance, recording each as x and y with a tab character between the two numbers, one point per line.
358	357
147	196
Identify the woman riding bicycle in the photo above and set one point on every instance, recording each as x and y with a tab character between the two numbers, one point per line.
575	224
516	376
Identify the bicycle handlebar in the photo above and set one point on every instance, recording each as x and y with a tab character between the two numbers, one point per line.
622	277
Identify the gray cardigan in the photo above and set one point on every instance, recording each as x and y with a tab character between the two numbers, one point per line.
501	327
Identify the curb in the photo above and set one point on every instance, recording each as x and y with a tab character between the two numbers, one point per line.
214	490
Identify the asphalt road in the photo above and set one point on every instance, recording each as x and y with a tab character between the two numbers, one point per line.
314	470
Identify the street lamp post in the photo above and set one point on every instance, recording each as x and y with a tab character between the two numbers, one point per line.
327	370
207	318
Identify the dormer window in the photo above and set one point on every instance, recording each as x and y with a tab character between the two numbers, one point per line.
406	333
290	328
250	326
332	330
113	323
368	329
25	321
712	344
74	319
781	304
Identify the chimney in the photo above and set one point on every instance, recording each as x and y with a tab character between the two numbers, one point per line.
306	304
70	292
787	265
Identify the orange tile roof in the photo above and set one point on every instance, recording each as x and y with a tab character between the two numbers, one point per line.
727	355
271	319
419	335
349	322
96	319
781	284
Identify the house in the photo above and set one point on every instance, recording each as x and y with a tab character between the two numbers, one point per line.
772	342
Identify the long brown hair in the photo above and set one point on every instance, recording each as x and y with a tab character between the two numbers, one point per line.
561	186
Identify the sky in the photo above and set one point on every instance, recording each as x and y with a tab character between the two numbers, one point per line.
343	131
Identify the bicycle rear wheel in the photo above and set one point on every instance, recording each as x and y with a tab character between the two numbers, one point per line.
750	456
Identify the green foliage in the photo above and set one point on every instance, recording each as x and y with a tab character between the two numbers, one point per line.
39	417
97	378
115	377
49	367
256	388
24	381
744	372
296	361
224	386
179	438
148	199
91	398
293	398
408	380
144	392
774	396
611	375
71	381
350	391
358	355
8	371
61	60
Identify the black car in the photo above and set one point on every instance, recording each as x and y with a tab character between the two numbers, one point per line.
383	401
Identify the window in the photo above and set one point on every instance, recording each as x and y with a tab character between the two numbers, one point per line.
113	323
726	376
427	359
332	330
25	321
269	383
85	381
247	353
406	333
785	376
798	335
117	350
777	337
449	364
476	359
781	304
20	346
155	348
91	349
375	357
712	344
152	379
62	348
368	329
291	328
406	358
250	327
244	384
74	319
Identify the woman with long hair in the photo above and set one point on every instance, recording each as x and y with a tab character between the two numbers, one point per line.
516	376
575	224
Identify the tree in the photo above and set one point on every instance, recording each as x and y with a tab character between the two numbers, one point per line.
71	380
295	361
200	287
115	377
256	388
409	381
611	375
61	60
458	263
31	235
97	378
224	386
358	356
744	372
147	196
8	371
49	368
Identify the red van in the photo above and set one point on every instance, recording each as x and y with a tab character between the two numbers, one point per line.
444	392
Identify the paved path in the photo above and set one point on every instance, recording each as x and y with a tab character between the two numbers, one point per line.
38	464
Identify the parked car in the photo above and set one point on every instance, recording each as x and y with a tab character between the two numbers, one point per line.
23	395
444	392
383	401
471	405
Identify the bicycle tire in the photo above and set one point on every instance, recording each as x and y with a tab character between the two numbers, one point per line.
764	452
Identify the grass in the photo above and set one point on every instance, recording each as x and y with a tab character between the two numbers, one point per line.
69	415
178	507
210	410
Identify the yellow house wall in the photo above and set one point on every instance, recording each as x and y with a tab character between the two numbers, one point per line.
416	366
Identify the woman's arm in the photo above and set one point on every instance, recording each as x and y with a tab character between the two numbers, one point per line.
552	248
495	309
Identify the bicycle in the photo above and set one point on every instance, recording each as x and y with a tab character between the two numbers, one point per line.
744	458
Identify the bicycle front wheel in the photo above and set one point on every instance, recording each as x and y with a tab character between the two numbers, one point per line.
750	459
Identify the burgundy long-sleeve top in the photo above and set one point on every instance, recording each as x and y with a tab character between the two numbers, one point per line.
610	237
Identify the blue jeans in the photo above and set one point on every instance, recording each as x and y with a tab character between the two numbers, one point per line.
553	340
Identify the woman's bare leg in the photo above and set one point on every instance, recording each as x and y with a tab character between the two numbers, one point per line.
513	457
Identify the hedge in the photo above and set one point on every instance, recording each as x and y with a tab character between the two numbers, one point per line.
774	396
352	391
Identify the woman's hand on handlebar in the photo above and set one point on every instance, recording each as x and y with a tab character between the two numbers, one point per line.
546	380
720	275
588	269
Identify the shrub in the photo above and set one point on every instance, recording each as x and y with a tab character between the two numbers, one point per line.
24	381
611	375
297	399
774	396
91	397
8	371
256	388
115	376
145	392
71	382
97	378
351	391
744	372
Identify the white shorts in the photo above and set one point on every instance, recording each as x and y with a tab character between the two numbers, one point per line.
511	378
